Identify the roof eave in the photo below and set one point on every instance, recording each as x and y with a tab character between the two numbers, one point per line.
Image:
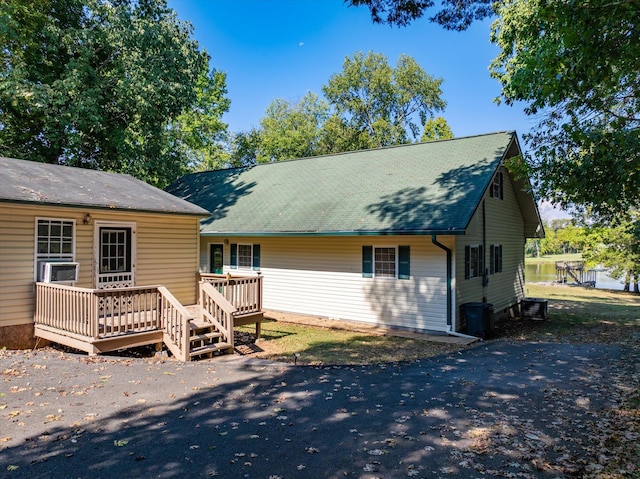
203	214
332	233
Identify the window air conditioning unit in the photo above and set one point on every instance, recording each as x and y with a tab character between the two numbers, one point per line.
59	272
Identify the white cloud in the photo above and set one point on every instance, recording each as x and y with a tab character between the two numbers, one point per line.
301	44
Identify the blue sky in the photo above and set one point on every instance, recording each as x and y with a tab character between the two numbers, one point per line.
284	48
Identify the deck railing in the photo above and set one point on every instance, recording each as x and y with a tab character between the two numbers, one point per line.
67	308
97	313
108	313
175	324
243	292
217	310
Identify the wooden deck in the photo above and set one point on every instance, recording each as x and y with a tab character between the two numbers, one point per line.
575	270
101	320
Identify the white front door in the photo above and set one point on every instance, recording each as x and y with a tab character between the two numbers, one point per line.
115	255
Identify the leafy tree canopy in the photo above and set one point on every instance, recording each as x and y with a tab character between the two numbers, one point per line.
383	101
368	104
292	130
436	129
454	14
575	65
115	85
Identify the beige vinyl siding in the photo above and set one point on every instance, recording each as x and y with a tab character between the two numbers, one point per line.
16	265
167	252
166	246
505	226
323	276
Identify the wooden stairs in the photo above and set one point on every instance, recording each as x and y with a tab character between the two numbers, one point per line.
102	320
205	341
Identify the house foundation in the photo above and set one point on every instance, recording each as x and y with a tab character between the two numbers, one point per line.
17	337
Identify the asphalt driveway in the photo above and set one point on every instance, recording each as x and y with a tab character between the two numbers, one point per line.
504	409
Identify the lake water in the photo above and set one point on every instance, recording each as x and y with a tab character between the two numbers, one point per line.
546	272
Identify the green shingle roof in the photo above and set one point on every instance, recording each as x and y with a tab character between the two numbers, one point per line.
33	182
425	188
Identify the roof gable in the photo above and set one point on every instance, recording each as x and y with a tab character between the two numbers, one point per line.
424	188
33	182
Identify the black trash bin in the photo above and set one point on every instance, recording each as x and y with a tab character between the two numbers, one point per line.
479	319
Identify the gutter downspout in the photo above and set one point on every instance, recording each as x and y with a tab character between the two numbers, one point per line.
450	332
449	277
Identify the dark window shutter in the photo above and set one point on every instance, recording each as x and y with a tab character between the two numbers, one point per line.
467	259
480	261
501	191
256	257
367	261
499	267
234	256
492	259
404	266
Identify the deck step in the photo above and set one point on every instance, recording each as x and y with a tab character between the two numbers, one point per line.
209	348
200	324
204	336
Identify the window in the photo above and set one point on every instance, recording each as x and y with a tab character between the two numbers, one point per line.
496	190
115	254
386	262
496	258
54	241
245	256
473	261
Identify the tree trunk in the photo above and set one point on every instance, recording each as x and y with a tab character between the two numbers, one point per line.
627	281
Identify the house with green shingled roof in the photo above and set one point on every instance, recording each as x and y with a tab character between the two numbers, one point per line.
400	236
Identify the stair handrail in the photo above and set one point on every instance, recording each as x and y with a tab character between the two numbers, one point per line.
175	321
217	310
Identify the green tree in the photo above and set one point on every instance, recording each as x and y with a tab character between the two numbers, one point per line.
244	149
337	136
369	104
454	14
618	250
436	129
198	132
385	102
575	65
292	130
102	84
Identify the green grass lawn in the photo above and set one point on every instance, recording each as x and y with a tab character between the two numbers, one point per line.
579	314
317	346
576	314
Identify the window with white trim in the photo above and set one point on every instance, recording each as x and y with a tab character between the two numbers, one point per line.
495	258
473	261
497	189
55	241
245	256
384	262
